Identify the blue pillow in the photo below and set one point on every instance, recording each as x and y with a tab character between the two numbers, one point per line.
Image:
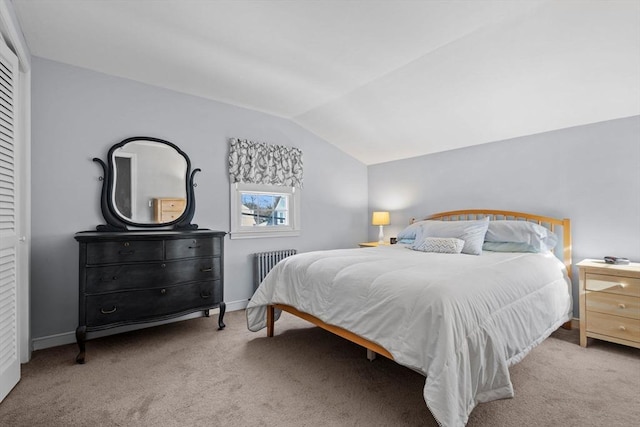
472	232
507	247
410	231
531	236
406	241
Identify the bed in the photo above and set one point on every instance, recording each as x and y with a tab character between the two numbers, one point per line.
458	313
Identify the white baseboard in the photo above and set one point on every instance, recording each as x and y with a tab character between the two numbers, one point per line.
53	340
70	337
237	305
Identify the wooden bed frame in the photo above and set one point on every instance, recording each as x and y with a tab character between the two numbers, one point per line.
460	215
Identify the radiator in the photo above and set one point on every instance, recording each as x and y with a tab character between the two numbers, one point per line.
264	262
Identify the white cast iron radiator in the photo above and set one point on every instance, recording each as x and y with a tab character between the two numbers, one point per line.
264	262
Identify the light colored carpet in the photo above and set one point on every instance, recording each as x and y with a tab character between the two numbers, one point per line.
190	374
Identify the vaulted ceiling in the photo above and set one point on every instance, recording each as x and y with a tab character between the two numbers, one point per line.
381	80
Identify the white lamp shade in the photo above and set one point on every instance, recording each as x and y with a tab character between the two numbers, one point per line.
380	218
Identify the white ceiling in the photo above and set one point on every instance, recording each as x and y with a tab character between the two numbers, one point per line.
381	80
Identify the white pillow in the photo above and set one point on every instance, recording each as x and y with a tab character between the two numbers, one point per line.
533	237
442	245
472	232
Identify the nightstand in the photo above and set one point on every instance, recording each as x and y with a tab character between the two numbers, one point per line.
610	302
372	244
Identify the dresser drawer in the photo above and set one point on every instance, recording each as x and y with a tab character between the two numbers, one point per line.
141	305
124	251
614	304
613	284
137	276
169	216
173	205
613	326
194	247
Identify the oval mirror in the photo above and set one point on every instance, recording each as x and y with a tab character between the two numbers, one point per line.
147	184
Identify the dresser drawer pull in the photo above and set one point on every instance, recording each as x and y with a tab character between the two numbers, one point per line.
109	279
622	328
113	310
205	295
194	247
206	270
163	291
127	252
622	306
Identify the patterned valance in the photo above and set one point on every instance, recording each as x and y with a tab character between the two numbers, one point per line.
260	163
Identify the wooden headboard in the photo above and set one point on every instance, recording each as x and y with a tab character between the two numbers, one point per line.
496	215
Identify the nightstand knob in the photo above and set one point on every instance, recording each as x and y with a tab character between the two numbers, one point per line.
622	328
622	306
621	285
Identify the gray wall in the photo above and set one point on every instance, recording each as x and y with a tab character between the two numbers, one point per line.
78	114
590	174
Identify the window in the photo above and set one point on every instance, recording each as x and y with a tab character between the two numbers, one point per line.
259	210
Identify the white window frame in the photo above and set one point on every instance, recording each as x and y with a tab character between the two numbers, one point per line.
243	232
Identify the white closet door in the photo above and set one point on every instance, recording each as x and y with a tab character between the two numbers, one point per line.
9	215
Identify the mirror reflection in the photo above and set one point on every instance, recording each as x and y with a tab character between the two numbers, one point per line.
149	182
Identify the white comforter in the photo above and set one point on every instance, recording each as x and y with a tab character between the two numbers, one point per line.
461	320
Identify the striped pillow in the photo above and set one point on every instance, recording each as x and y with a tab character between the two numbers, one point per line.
442	245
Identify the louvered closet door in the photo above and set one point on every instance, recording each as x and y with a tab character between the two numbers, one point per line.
9	355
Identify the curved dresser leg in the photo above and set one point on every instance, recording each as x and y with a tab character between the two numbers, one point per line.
81	337
223	308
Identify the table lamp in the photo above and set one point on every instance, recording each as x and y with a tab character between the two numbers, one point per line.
380	219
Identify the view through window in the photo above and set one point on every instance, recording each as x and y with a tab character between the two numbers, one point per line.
264	210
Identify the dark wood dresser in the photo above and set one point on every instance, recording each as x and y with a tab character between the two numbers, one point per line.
143	276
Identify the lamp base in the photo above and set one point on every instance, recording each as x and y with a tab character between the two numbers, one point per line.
380	236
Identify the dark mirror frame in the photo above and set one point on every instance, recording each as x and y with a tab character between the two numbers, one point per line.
116	222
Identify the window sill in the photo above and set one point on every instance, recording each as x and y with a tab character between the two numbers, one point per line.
260	234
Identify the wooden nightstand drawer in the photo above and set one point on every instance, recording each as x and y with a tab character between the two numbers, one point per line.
169	216
613	284
613	326
614	304
175	205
